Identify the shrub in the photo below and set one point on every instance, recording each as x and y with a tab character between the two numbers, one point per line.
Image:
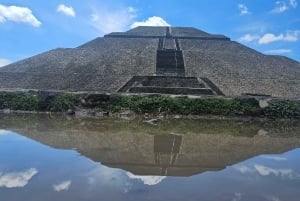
18	101
283	109
158	104
63	102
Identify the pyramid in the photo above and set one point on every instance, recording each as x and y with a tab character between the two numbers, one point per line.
167	60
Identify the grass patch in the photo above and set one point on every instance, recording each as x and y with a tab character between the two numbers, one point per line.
185	106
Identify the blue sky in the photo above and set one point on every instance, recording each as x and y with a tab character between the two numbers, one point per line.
30	27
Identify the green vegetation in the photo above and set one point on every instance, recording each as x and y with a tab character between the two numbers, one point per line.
283	109
63	102
155	104
30	102
185	106
18	101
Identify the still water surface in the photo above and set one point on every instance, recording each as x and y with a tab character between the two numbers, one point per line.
56	158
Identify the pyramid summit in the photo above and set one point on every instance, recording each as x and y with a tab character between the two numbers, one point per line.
169	60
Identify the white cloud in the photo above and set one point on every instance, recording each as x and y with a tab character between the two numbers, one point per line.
248	38
4	62
243	9
280	7
266	171
290	36
237	197
105	175
277	158
106	20
273	198
63	186
67	10
278	51
131	9
17	179
147	180
244	169
269	37
254	27
18	14
293	3
3	132
151	21
102	176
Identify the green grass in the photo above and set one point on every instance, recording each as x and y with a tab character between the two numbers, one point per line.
185	106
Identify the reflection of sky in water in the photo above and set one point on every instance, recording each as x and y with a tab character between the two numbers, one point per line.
148	180
30	170
3	132
63	186
16	179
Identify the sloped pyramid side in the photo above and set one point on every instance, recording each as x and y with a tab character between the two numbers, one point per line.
103	64
237	69
106	64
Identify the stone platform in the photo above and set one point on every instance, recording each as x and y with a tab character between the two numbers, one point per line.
171	85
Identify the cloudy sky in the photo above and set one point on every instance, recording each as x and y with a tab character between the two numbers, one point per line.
29	27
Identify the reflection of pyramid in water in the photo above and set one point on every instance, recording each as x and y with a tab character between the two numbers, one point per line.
166	150
186	155
172	155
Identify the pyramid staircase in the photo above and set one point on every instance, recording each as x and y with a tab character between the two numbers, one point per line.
169	63
170	74
170	85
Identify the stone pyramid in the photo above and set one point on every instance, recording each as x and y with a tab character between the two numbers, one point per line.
168	60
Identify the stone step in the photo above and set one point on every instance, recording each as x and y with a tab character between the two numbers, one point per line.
169	61
212	86
171	81
170	85
170	72
160	43
172	90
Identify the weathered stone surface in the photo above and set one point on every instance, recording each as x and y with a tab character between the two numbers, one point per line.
106	64
236	69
